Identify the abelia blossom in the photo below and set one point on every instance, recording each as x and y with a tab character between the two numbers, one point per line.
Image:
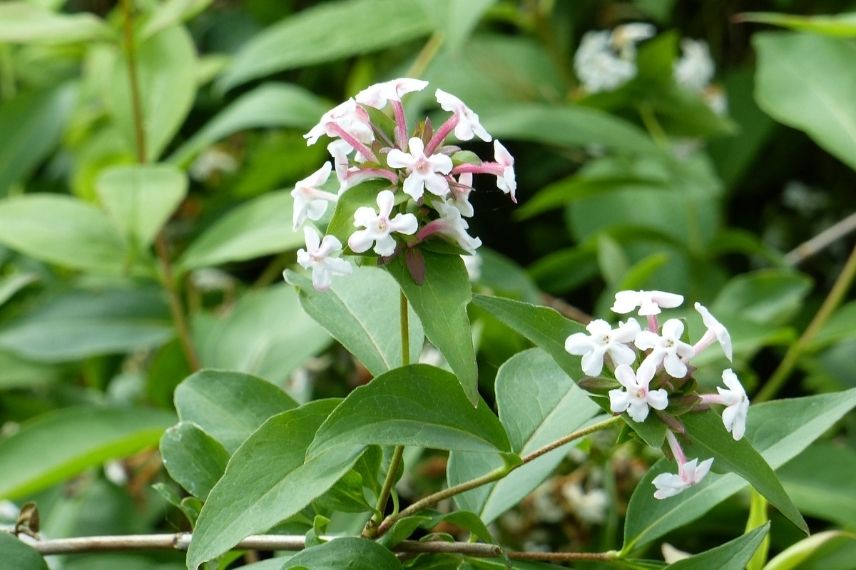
460	194
649	302
695	68
322	257
347	120
425	172
506	181
378	226
451	224
736	404
715	331
379	94
309	201
602	340
636	398
467	123
689	473
667	348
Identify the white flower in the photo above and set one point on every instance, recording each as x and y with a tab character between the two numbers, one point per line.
468	122
379	94
451	224
715	330
340	151
347	116
689	474
636	397
587	506
649	302
715	98
473	263
603	340
668	348
695	68
210	162
507	182
322	257
460	194
309	201
625	37
736	405
378	226
426	172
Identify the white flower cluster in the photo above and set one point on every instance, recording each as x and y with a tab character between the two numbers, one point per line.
663	356
694	71
429	186
607	60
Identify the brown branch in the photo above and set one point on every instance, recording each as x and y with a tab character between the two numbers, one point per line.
273	542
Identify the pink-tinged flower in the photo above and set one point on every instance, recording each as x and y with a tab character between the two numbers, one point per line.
736	405
602	340
636	397
468	124
451	224
322	257
378	226
379	94
309	201
689	473
426	172
649	302
460	194
667	349
340	151
348	118
715	330
507	182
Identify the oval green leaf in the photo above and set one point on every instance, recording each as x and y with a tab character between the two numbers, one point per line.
194	459
733	554
346	552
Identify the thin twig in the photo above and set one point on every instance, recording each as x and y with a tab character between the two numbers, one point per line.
832	301
821	241
161	247
495	475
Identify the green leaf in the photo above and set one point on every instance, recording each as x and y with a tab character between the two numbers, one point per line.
710	439
32	124
335	30
277	105
24	22
208	399
194	459
170	13
793	556
18	555
807	82
837	25
268	480
266	334
537	405
61	230
768	296
11	284
166	71
780	430
828	493
840	326
455	19
733	554
16	372
254	229
567	127
60	444
415	405
548	329
79	324
140	199
505	277
441	303
346	552
360	311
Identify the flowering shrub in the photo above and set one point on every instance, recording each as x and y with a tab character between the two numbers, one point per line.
425	387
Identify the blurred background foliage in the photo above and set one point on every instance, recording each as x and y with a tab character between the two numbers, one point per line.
644	186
